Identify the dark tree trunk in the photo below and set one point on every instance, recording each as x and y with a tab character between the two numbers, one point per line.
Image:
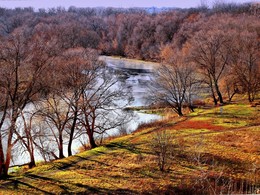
31	152
72	132
61	155
232	95
219	93
2	161
92	141
32	162
179	111
212	93
8	159
191	108
3	173
250	99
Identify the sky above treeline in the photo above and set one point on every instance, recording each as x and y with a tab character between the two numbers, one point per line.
113	3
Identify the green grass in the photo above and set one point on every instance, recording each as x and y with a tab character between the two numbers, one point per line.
127	165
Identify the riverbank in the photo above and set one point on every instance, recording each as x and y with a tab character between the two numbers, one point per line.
210	149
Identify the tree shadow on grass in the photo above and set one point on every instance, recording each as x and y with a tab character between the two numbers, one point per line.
85	189
120	145
64	165
62	184
14	184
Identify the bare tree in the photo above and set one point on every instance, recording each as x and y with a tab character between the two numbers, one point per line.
78	69
56	115
230	85
173	84
246	67
44	145
102	104
74	72
23	59
211	52
162	146
26	135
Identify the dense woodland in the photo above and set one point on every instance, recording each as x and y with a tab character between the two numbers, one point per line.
43	54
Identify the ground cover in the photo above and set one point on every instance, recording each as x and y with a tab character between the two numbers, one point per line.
212	150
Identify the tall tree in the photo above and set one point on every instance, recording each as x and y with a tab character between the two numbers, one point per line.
102	104
26	134
23	59
76	71
246	67
174	83
211	52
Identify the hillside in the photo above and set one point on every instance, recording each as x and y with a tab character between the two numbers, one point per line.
209	149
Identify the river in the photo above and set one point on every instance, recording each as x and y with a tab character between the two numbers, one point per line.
136	74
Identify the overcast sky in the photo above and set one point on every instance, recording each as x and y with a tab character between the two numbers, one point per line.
110	3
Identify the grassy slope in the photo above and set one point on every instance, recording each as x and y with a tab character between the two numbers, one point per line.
127	164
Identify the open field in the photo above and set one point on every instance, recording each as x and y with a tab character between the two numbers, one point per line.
209	148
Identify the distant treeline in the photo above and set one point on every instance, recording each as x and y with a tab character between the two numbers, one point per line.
140	33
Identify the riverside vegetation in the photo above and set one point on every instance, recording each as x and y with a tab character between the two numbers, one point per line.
211	151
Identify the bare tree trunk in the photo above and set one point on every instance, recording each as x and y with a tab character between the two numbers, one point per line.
72	131
232	95
179	110
31	152
92	141
2	160
191	107
32	161
9	143
8	154
61	155
250	99
219	93
212	92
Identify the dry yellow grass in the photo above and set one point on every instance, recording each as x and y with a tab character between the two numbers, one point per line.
127	164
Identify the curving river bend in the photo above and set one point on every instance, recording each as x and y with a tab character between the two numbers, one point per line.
133	73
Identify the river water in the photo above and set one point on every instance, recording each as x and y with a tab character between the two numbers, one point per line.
135	75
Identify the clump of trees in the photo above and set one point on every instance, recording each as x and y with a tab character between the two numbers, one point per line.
69	92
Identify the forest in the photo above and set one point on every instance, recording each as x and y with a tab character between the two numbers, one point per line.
49	60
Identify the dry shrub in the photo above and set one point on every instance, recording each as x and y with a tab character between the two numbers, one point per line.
162	147
83	148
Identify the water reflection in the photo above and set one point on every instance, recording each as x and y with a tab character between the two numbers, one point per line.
132	77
